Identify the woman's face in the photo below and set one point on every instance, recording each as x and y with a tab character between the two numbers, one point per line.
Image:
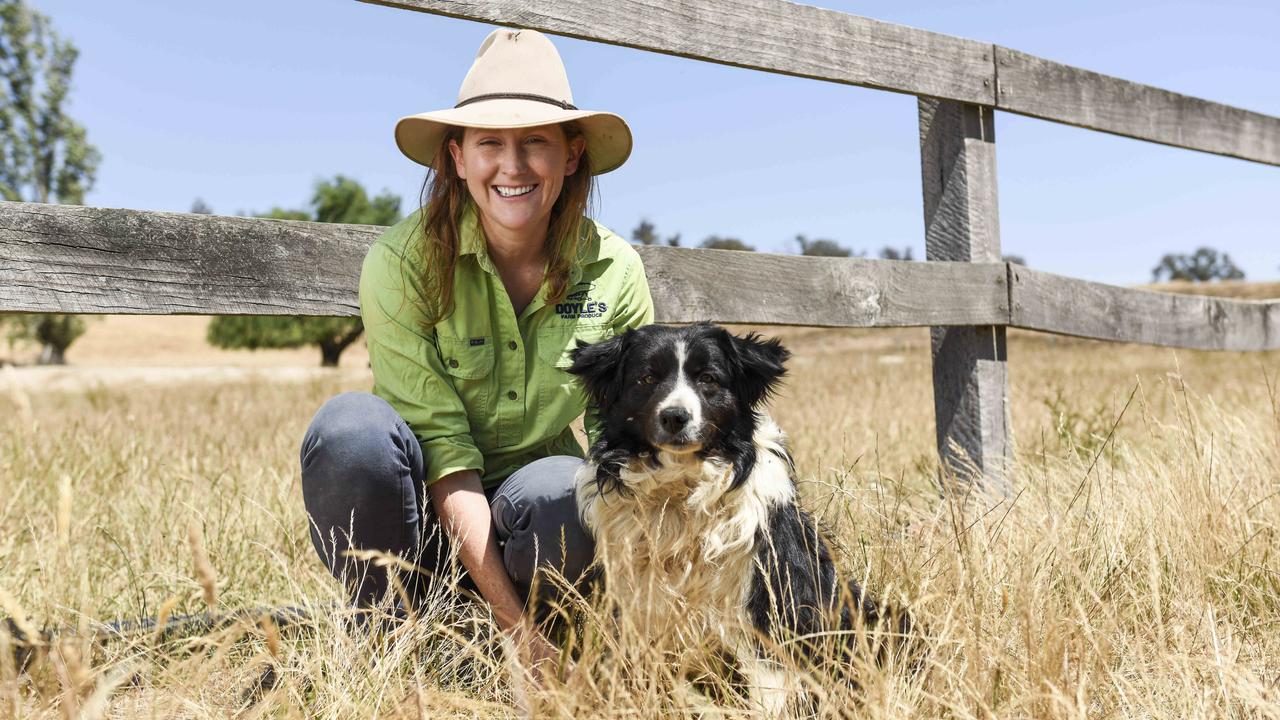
515	175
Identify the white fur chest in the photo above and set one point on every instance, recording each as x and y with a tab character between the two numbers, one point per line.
678	546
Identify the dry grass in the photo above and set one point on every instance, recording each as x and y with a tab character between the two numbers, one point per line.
1135	575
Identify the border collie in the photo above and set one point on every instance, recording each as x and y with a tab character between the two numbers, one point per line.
690	495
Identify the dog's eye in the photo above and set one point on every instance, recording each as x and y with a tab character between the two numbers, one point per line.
706	379
648	380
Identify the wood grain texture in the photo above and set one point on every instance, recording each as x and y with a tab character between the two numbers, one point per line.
772	35
962	226
60	258
690	285
1068	306
1029	85
791	39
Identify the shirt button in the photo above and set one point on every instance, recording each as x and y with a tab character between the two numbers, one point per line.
453	363
511	395
512	345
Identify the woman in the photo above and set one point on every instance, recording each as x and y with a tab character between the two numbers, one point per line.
471	307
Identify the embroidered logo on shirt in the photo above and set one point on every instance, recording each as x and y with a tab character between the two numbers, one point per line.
578	304
476	341
580	295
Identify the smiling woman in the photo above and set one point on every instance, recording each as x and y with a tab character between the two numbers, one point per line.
466	306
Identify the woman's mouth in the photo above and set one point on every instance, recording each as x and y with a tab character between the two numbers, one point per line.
510	191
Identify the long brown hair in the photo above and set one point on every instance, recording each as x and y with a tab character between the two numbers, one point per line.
445	197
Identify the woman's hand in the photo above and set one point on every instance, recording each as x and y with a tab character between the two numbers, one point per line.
464	513
535	653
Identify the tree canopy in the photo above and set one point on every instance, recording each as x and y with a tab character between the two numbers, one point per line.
45	155
716	242
822	247
339	200
893	253
1204	265
647	234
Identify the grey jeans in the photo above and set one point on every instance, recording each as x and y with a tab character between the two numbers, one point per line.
363	486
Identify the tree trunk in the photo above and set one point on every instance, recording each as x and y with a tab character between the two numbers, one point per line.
51	354
330	350
329	353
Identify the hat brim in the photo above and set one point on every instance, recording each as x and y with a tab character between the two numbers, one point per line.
608	137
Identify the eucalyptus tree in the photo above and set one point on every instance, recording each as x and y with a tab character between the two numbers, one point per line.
45	155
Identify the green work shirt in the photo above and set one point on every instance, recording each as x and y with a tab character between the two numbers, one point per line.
483	389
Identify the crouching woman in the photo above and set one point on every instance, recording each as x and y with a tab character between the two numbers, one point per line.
471	307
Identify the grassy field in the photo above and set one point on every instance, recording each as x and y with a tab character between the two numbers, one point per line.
1136	573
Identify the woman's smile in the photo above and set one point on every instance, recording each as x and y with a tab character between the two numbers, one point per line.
509	191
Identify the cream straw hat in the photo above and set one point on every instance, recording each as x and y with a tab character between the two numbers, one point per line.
517	80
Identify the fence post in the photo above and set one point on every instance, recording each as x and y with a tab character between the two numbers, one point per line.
970	370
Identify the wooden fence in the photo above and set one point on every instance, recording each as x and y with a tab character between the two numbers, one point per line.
88	260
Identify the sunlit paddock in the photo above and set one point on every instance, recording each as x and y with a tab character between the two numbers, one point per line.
1133	575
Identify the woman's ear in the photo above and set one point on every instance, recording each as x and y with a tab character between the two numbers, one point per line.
458	166
577	146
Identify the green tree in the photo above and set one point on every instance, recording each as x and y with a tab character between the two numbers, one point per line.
647	234
340	200
715	242
277	213
893	253
1204	265
45	155
822	247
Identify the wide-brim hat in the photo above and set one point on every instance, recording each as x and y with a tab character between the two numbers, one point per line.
516	81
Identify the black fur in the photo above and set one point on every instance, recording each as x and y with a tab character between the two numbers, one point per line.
797	600
746	369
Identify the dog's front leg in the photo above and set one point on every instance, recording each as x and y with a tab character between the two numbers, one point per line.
773	689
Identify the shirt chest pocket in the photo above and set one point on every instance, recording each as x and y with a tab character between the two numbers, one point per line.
556	344
469	365
466	358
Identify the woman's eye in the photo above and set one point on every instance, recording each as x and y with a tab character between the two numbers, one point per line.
648	380
535	139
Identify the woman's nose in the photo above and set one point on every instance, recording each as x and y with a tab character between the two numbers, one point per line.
513	160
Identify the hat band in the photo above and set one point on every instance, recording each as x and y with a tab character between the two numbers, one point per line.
517	96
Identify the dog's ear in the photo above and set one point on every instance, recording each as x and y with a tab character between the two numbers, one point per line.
600	366
760	363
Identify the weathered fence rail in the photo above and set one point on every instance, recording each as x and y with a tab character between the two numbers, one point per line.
784	37
88	260
71	259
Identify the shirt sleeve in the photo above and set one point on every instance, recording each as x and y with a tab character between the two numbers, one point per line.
407	370
635	309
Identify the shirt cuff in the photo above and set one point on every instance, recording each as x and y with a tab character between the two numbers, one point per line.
445	456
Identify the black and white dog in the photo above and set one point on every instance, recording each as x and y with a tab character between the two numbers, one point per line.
690	495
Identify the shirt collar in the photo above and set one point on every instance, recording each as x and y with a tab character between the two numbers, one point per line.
588	250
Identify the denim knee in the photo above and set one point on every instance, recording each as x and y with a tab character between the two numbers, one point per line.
362	473
535	514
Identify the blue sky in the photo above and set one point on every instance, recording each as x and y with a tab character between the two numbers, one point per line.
246	104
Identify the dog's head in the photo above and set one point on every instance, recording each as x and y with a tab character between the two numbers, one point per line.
680	389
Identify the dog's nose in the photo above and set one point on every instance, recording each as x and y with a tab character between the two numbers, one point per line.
674	419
